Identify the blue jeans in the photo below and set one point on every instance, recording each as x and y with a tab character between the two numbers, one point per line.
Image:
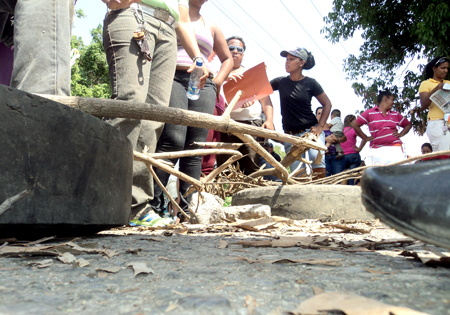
177	137
135	79
312	152
352	160
42	31
334	166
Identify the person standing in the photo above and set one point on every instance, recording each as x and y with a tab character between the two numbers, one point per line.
435	72
296	92
42	33
177	137
383	122
250	113
351	151
333	165
142	71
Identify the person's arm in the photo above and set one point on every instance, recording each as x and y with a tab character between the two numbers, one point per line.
359	132
361	146
224	54
342	139
185	33
425	101
405	130
326	103
119	4
267	108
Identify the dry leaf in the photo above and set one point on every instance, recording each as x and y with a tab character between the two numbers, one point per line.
327	262
81	262
431	260
254	243
380	272
41	264
223	244
251	304
102	274
140	267
130	290
42	240
114	269
292	241
317	290
171	308
18	251
170	259
301	281
155	239
134	251
111	253
227	284
67	258
349	304
347	229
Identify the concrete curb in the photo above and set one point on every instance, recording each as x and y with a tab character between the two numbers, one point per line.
337	202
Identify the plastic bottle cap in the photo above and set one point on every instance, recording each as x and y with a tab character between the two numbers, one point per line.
199	63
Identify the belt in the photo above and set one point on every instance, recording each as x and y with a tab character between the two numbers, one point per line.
293	132
158	13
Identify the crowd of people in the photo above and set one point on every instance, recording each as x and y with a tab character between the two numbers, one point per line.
152	47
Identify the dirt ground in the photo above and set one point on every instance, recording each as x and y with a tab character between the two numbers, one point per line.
223	269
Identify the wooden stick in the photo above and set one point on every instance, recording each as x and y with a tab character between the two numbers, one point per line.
181	154
12	200
148	160
265	154
175	116
338	177
230	106
215	172
150	168
231	183
220	145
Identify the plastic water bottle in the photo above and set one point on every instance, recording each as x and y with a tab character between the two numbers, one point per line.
193	92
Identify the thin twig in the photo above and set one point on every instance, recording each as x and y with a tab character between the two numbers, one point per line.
10	201
158	181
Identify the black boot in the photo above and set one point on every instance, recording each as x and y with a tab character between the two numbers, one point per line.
413	199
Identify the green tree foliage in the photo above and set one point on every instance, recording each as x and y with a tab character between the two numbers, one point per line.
90	77
394	33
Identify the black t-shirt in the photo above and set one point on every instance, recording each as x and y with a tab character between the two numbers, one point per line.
295	100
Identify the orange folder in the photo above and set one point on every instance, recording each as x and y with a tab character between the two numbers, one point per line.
254	84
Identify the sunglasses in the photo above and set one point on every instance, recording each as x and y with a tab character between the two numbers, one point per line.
232	48
442	60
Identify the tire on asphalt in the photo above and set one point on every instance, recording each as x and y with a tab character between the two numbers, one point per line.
77	168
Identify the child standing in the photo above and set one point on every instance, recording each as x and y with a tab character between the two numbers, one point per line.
337	128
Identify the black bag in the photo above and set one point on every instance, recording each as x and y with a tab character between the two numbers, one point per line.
7	29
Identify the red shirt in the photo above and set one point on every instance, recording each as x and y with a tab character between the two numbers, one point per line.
382	127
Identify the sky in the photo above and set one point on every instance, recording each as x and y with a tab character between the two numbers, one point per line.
268	27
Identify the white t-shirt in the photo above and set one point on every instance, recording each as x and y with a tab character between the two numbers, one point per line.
337	125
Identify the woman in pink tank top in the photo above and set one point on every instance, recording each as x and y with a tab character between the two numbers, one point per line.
176	137
351	151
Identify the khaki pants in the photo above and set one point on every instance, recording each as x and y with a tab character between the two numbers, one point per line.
135	79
